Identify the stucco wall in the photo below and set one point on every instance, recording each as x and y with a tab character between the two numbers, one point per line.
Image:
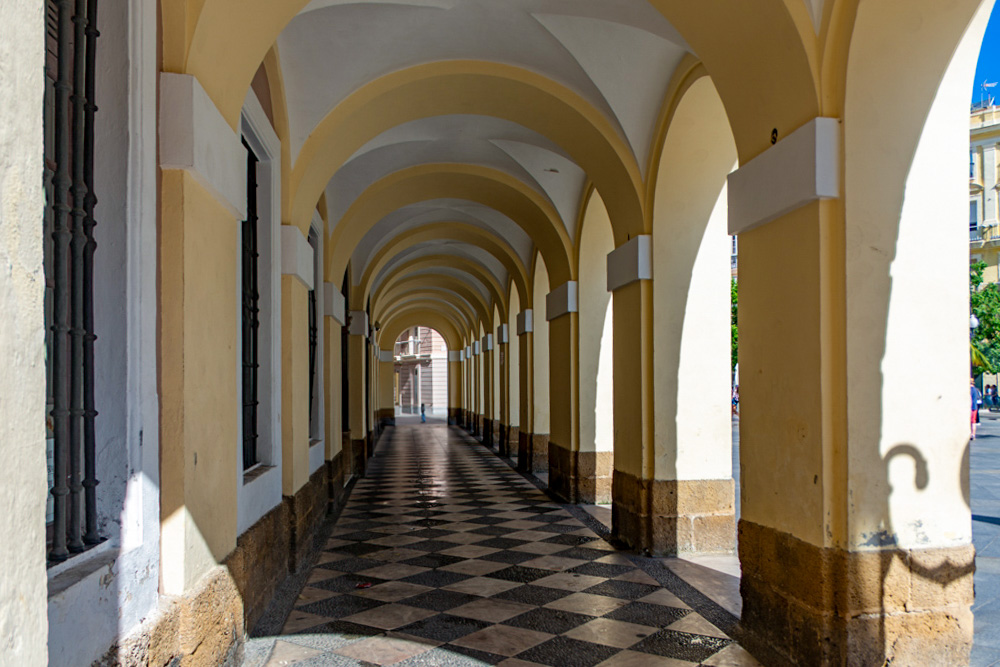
23	485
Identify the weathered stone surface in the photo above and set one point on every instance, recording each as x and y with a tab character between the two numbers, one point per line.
385	417
580	477
827	606
307	509
260	561
201	629
335	482
667	517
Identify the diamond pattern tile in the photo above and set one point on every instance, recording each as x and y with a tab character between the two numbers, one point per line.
446	556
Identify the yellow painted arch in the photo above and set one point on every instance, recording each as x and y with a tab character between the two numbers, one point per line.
430	305
482	88
489	187
420	317
443	282
763	59
457	231
474	269
400	295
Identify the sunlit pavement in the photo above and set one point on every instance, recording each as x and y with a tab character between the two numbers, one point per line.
984	478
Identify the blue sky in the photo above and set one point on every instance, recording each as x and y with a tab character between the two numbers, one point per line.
989	57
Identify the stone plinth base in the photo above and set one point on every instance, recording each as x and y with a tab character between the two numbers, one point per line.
532	452
307	509
580	477
668	517
260	561
509	444
455	416
386	417
203	628
827	606
359	457
335	475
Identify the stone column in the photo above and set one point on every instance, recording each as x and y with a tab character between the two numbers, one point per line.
566	473
503	429
386	400
358	386
527	457
333	311
486	364
855	533
455	389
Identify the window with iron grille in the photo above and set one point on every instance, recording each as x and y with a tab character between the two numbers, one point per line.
68	232
250	315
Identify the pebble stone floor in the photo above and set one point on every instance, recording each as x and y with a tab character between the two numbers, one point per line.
445	556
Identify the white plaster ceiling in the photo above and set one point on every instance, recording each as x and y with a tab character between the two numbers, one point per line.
464	139
617	54
439	210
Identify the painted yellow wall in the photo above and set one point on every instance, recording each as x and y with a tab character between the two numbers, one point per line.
780	333
495	368
564	403
514	360
358	386
198	381
633	405
386	370
455	388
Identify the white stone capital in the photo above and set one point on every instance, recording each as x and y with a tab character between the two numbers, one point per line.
195	137
561	301
525	322
296	255
503	336
456	355
475	348
334	304
630	262
800	169
359	323
386	356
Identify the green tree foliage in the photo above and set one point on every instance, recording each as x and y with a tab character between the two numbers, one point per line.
984	301
735	336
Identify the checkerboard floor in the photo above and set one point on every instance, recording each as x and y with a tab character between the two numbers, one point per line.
445	556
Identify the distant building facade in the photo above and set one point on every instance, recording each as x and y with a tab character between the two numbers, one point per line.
421	377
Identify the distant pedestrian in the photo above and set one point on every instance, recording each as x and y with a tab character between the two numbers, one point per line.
423	414
976	396
736	400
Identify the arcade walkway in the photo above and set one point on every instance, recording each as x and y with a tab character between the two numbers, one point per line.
446	556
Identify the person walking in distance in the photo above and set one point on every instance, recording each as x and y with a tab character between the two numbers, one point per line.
975	395
423	414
